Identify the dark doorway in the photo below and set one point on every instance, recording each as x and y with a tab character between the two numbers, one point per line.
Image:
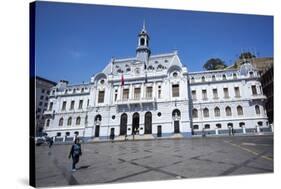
148	123
123	124
177	126
136	122
97	131
112	134
159	131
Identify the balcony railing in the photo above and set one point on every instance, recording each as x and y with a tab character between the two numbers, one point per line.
136	101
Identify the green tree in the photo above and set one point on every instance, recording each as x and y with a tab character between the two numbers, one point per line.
214	64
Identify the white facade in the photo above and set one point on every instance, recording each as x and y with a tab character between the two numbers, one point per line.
152	95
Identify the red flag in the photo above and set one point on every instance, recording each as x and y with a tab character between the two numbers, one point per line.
122	80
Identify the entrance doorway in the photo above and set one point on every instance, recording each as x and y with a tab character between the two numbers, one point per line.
176	115
123	124
97	131
177	126
148	123
159	131
136	123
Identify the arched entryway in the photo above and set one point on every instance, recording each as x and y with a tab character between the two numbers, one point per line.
97	125
148	123
123	124
176	115
136	123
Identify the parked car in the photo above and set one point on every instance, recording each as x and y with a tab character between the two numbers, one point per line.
40	140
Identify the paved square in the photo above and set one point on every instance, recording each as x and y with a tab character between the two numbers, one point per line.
149	160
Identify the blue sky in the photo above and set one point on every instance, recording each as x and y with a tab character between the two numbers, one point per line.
75	41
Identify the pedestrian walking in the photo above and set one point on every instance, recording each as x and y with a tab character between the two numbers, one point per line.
49	141
75	153
112	136
203	132
232	131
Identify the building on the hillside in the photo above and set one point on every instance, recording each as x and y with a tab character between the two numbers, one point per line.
154	96
43	87
267	84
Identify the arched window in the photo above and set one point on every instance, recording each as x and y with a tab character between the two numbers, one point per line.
78	119
142	41
223	77
241	124
203	79
67	133
176	113
218	125
207	126
69	121
61	122
213	78
239	110
228	111
257	108
234	76
195	127
47	123
251	74
217	112
206	112
98	117
194	113
58	134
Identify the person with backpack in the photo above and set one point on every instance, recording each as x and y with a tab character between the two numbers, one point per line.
75	153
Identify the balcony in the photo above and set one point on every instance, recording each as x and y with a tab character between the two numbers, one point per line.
257	97
140	101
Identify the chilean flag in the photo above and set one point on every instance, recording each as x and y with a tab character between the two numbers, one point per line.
122	80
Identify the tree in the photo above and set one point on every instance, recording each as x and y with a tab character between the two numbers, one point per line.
214	64
246	55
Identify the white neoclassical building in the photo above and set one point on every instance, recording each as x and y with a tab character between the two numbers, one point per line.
155	96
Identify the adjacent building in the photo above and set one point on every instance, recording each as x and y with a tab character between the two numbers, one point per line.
154	96
43	88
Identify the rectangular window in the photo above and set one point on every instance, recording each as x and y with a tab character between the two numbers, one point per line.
40	103
80	104
215	94
125	94
159	91
254	90
46	104
63	105
193	95
176	90
137	93
237	91
41	97
72	105
43	91
204	94
225	92
51	106
148	92
101	97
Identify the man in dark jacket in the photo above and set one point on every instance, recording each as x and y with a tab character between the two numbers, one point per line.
75	152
